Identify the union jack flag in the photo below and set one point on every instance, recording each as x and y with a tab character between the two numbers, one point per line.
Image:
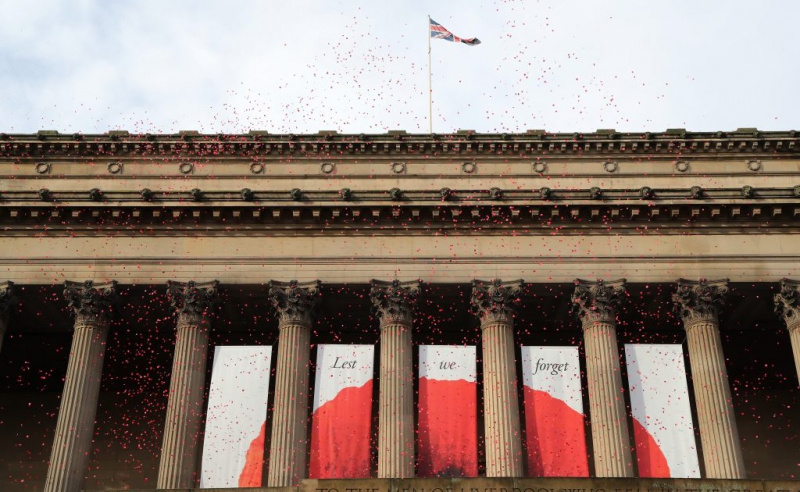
439	32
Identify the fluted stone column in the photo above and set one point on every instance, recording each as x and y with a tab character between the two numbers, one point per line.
699	303
294	303
6	300
787	306
192	303
492	302
393	302
91	305
595	304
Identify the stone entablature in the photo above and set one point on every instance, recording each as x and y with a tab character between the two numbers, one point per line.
142	256
398	180
447	208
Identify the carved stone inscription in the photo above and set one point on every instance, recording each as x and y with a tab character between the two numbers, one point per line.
548	485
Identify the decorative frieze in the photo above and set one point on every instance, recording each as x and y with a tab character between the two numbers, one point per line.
493	301
393	302
597	302
192	301
294	301
700	301
91	303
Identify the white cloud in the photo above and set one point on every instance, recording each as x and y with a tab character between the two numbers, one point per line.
360	66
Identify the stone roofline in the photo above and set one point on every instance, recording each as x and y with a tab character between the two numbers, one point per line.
333	135
674	141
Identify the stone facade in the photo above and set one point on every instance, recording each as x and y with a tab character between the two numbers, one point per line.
285	239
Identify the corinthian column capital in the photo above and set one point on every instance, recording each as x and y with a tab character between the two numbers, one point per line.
7	298
597	301
787	303
91	303
394	301
293	301
493	301
701	300
192	301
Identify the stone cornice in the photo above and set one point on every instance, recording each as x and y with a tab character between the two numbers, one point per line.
533	142
91	303
294	302
395	197
700	301
671	209
393	302
597	301
787	303
192	301
493	301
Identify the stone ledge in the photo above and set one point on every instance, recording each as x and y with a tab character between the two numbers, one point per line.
194	144
526	485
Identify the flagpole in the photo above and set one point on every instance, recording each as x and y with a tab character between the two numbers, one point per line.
430	84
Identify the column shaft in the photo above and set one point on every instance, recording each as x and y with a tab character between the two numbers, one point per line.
787	306
396	404
718	432
177	469
294	303
76	415
287	461
610	437
794	335
501	404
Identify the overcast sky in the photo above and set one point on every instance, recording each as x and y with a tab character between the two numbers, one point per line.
361	66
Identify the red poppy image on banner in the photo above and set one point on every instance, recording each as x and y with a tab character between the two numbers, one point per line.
448	412
663	429
342	412
554	419
233	448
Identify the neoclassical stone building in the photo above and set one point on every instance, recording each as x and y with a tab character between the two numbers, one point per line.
126	258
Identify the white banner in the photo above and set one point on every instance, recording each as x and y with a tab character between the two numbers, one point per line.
554	419
448	412
342	412
662	418
233	450
448	363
